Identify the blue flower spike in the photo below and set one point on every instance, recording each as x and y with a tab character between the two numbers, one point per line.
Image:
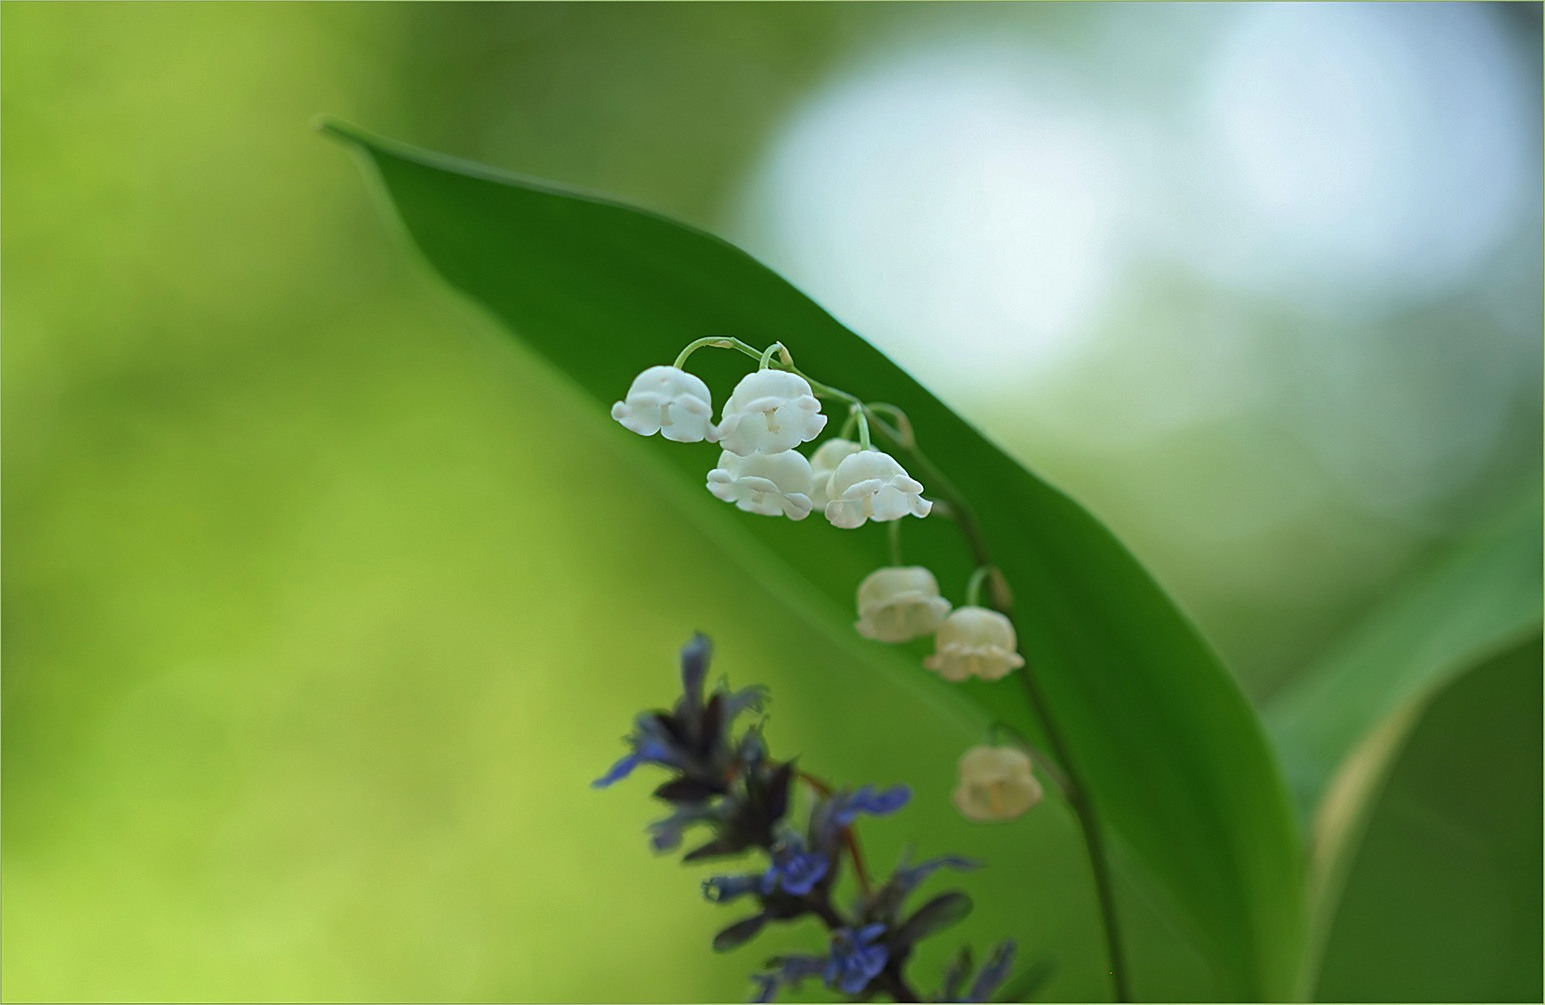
723	780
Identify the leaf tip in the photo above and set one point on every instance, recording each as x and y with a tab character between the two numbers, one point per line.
338	129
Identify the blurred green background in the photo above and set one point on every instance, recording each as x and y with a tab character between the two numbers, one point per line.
323	602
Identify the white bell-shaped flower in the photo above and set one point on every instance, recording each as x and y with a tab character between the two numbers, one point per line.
824	461
769	484
669	401
769	412
872	485
975	642
899	604
995	784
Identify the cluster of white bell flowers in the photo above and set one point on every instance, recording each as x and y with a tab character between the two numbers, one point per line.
772	412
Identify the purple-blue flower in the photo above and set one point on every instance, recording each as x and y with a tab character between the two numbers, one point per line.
907	878
722	889
994	972
855	959
991	977
646	751
794	868
831	815
867	800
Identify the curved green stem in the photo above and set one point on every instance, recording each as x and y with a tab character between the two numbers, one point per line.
717	342
904	434
817	388
974	585
863	427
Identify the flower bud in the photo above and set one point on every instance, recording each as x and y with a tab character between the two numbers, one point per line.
975	642
872	485
668	401
995	784
899	604
769	484
824	461
769	412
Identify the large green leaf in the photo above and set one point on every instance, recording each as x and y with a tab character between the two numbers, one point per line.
1176	761
1483	594
1428	856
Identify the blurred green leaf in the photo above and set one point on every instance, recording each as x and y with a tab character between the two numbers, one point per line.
1024	987
1428	855
739	933
1175	758
1483	594
938	914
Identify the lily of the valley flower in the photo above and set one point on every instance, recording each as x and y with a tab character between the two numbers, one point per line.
995	784
769	484
872	485
769	412
899	604
975	642
671	402
824	461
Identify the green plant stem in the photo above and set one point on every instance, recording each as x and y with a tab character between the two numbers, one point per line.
817	388
974	586
1074	789
863	427
717	342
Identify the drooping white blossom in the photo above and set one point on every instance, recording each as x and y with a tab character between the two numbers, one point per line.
872	485
671	402
769	484
996	783
769	412
975	642
824	461
900	603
